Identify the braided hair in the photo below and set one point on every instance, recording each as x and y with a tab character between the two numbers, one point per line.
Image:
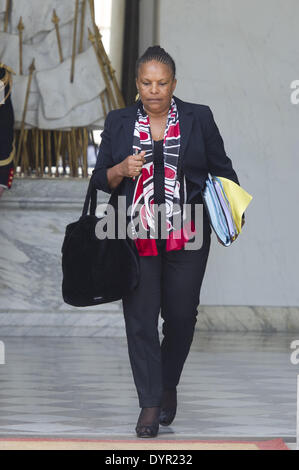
156	53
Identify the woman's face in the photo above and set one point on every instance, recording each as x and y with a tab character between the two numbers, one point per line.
155	84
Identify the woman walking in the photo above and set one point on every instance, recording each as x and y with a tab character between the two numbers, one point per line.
142	149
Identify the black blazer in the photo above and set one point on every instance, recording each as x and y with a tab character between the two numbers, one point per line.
202	149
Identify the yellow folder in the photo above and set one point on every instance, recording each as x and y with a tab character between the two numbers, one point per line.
238	198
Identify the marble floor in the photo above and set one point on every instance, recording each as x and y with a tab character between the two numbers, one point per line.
233	386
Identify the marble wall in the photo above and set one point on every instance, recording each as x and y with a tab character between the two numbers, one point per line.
240	57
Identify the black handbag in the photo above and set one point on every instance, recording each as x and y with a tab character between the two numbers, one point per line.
96	271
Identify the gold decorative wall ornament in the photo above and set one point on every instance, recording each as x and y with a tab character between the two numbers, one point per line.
43	148
56	20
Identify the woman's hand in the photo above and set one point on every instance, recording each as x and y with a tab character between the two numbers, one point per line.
129	167
132	165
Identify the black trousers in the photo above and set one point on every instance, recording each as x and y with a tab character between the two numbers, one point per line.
171	282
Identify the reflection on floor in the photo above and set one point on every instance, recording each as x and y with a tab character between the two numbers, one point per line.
234	385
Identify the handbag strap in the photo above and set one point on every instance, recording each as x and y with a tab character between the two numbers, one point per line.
90	202
91	195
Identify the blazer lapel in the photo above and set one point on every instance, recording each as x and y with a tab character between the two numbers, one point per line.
186	121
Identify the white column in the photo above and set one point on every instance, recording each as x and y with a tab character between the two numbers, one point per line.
103	20
116	36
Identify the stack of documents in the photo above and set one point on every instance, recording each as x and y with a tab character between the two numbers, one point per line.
225	202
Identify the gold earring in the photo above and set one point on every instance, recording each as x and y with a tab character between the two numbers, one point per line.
137	97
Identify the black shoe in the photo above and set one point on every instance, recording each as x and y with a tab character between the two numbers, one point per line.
147	430
148	422
168	407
